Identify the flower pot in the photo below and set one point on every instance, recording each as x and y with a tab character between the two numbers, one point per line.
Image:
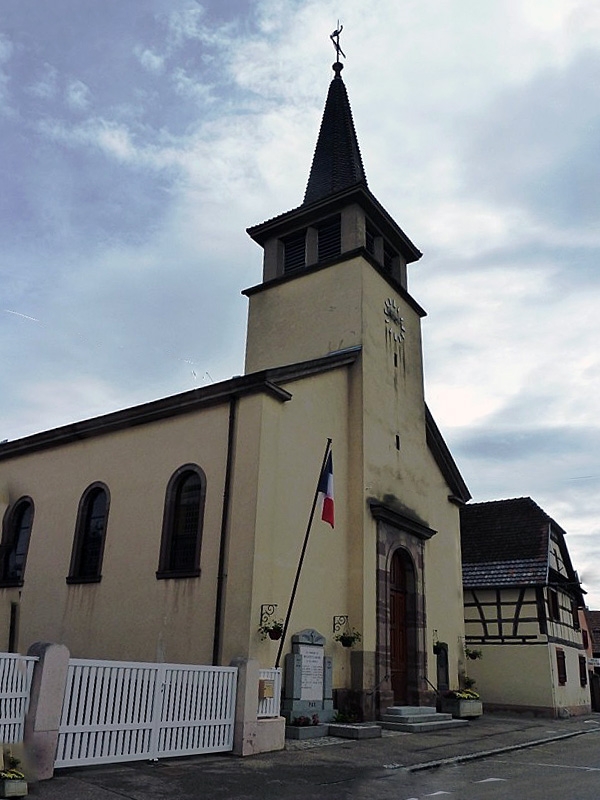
346	641
461	708
275	634
13	788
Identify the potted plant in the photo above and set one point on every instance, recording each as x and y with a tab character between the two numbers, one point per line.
12	780
348	637
271	629
473	654
462	704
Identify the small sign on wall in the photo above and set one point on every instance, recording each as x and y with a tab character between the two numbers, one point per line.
266	689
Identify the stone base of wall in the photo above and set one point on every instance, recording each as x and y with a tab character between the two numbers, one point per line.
538	711
270	735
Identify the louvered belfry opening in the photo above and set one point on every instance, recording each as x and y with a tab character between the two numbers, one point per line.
330	238
294	252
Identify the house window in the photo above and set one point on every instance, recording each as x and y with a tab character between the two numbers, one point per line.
294	252
182	524
575	614
90	530
583	677
15	542
329	239
586	638
553	607
562	667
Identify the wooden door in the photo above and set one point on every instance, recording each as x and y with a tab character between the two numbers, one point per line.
398	628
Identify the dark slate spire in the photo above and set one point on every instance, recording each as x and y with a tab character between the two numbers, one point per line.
337	164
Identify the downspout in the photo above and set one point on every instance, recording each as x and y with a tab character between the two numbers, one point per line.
222	574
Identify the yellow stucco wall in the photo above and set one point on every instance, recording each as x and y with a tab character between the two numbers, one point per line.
278	448
129	613
340	307
526	676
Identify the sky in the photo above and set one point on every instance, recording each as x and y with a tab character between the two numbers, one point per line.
141	138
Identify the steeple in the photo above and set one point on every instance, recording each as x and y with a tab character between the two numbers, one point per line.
339	218
337	163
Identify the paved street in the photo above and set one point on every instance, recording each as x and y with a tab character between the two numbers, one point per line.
493	758
563	770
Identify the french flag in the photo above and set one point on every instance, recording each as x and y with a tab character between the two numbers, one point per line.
326	490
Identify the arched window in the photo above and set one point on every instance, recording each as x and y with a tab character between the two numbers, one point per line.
90	533
182	524
15	542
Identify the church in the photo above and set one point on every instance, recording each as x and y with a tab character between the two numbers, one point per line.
172	531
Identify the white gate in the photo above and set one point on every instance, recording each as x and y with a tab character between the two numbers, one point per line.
269	706
15	682
126	711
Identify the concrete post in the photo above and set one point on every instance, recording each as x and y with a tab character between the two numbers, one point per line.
250	734
246	707
45	706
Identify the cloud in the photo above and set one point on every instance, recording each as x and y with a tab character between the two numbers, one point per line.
46	87
150	60
543	138
77	95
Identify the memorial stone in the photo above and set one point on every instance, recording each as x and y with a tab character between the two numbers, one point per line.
308	679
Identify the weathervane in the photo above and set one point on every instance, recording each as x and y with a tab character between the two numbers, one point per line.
335	38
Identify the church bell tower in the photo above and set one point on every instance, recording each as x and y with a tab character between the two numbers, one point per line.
339	220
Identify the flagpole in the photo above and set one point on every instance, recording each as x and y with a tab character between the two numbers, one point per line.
300	562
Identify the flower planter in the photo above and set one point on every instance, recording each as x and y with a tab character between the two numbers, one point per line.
461	708
12	788
275	634
346	641
305	731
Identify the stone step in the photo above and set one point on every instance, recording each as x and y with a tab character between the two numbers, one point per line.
402	711
359	730
432	716
423	727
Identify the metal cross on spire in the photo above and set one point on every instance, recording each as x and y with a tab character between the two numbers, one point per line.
335	38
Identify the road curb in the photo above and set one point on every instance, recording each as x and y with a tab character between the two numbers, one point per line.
440	762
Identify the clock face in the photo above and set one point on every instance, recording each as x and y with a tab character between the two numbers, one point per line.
394	322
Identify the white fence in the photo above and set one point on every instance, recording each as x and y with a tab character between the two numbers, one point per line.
269	706
121	711
15	682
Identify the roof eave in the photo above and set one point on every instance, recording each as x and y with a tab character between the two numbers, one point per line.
304	215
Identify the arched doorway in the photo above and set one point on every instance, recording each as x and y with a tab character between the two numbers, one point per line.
402	626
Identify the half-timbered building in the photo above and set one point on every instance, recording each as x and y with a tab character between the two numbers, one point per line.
522	600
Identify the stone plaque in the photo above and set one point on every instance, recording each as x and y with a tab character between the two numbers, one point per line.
312	672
